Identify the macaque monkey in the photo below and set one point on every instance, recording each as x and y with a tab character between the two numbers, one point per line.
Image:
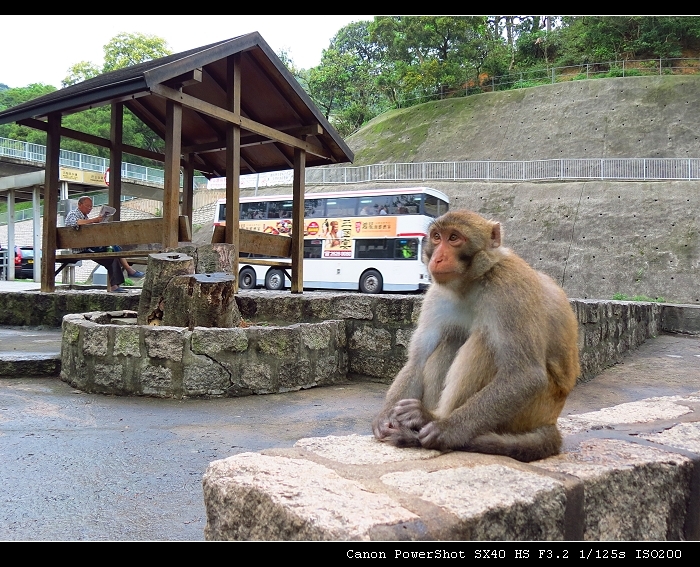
494	355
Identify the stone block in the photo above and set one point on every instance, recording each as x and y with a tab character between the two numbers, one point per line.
164	342
631	491
95	340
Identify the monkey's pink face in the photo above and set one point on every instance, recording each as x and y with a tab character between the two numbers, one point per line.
448	255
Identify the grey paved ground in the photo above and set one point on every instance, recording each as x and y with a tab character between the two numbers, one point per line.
82	466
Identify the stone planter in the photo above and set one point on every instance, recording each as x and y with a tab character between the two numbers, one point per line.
108	353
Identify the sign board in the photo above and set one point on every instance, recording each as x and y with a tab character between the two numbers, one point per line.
80	176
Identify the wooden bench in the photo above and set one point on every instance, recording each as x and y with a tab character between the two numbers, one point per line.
122	233
254	242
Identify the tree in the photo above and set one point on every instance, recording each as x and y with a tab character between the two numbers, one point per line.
121	51
13	97
127	49
81	71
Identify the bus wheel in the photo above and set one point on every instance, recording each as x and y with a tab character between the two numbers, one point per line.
371	282
247	278
274	279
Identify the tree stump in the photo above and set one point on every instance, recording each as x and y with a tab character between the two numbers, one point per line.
201	300
161	269
210	258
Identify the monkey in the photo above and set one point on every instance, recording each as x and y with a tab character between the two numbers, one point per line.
494	354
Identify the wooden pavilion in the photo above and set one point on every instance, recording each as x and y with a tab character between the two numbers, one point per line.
225	109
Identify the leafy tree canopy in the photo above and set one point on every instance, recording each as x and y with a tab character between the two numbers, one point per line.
121	51
127	49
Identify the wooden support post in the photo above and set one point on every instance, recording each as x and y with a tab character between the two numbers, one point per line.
36	230
51	180
171	186
188	188
10	274
115	158
298	221
233	156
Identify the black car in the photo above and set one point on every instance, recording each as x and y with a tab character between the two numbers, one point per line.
24	262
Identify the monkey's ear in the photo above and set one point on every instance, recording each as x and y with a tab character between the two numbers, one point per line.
496	235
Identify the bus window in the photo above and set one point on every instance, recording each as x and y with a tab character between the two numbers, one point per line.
314	208
341	207
374	206
406	249
280	210
374	248
435	207
407	204
222	212
312	248
251	211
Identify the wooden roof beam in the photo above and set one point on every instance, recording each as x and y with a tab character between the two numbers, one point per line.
91	139
235	118
191	77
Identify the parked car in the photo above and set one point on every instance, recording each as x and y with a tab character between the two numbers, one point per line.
24	262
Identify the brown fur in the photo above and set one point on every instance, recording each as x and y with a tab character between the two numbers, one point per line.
494	355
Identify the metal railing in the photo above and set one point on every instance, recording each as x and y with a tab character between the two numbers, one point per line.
549	75
632	169
98	198
37	153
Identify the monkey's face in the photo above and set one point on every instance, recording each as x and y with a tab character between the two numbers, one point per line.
454	240
447	250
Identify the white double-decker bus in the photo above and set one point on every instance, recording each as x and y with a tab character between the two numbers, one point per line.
368	240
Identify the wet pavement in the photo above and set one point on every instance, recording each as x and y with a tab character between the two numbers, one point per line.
79	466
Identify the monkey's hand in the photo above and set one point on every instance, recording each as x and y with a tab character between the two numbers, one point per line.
389	430
411	414
383	427
432	436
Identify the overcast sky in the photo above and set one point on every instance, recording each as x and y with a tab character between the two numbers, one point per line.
40	49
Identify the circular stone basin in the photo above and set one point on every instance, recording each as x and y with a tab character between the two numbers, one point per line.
108	353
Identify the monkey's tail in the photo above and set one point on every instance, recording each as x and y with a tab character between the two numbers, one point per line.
534	445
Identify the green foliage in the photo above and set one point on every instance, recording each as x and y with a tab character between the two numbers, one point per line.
127	49
122	50
400	61
644	298
611	38
81	71
19	206
394	62
13	97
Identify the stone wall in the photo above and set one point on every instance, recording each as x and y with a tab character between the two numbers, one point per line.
106	353
372	337
37	309
379	327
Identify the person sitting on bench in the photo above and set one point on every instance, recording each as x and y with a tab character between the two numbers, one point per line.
78	217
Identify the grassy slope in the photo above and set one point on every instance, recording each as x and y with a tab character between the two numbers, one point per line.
625	117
